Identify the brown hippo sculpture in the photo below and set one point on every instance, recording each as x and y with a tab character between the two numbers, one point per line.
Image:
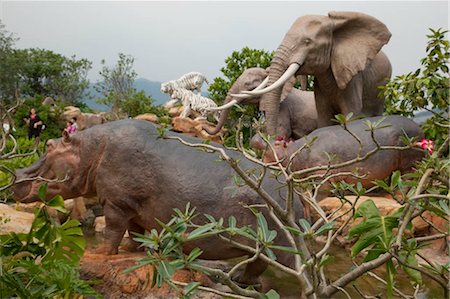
138	177
335	140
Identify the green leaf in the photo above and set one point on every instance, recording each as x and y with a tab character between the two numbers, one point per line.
232	222
57	203
373	230
190	287
325	228
270	254
272	295
42	192
194	254
305	225
285	249
198	232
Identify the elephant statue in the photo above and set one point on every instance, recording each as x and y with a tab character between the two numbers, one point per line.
297	115
342	51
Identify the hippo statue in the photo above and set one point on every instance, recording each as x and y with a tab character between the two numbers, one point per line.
139	177
335	140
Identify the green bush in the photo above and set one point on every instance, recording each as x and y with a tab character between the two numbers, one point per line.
235	65
43	263
54	124
425	89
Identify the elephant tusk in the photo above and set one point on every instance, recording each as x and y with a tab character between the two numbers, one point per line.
263	84
223	107
241	96
292	69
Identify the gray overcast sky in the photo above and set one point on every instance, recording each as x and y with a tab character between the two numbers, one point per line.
169	39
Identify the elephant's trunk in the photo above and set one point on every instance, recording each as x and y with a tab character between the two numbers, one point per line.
270	102
223	117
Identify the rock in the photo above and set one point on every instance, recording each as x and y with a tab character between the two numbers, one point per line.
175	111
99	224
195	128
12	220
136	284
84	120
148	117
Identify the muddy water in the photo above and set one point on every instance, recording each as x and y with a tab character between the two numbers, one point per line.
288	287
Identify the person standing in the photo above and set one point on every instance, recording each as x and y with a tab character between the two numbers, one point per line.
34	123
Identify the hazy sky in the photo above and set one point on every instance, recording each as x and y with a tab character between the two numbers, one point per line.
169	39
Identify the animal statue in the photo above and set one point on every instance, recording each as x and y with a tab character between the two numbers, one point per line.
335	140
195	102
84	120
342	51
139	177
191	81
297	116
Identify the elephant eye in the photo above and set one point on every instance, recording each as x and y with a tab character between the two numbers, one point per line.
307	41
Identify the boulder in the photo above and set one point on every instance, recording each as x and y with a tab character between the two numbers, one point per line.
84	120
195	128
12	220
136	284
148	117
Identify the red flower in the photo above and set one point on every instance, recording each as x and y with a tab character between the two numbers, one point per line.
426	144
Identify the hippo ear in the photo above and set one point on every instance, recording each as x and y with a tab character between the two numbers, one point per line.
66	137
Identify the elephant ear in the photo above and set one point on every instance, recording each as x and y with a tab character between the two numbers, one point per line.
287	87
357	39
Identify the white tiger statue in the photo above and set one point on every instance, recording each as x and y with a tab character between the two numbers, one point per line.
195	102
190	81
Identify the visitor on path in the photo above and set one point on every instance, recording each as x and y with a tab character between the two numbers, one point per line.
35	124
70	128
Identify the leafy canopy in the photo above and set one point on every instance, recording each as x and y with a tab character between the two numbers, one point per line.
235	65
425	89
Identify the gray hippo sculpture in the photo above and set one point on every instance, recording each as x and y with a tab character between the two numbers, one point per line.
335	140
139	177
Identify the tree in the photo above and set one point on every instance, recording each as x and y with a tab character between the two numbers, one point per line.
235	65
45	73
8	66
117	82
425	89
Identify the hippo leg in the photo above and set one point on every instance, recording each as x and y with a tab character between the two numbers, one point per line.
251	274
131	244
114	230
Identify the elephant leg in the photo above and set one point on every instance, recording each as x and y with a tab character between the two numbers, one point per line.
133	245
352	99
251	273
325	110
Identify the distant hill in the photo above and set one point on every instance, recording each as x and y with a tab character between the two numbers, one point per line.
151	88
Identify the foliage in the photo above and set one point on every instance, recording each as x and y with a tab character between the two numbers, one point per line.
8	65
40	73
167	245
425	89
375	231
140	103
23	146
235	65
43	262
45	73
50	115
116	85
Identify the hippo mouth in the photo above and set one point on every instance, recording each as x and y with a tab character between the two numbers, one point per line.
22	192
